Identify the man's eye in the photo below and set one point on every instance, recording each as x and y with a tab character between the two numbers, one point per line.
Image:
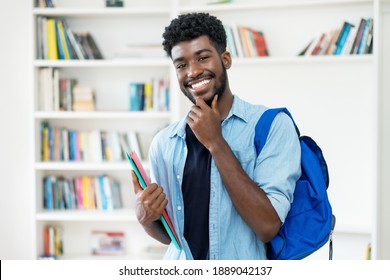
203	58
180	66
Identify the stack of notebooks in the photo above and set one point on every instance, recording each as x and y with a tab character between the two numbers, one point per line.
144	182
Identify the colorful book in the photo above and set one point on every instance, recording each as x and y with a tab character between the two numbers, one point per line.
144	182
51	39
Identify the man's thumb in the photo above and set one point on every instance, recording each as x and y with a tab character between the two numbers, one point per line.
136	184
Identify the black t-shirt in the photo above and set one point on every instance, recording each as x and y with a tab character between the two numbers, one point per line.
196	195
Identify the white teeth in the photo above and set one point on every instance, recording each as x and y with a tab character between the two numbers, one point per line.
204	82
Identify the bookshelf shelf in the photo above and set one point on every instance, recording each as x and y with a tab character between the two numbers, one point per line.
262	5
304	59
99	12
353	229
124	215
125	115
141	256
141	62
85	166
69	166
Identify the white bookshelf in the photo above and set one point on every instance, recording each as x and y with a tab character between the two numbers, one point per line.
112	29
334	99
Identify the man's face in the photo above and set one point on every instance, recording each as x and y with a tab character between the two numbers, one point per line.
199	69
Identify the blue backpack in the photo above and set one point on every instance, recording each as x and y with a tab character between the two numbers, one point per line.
310	222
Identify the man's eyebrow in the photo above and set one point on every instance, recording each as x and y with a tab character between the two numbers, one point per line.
202	51
198	52
178	59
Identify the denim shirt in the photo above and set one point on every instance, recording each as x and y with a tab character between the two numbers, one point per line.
275	170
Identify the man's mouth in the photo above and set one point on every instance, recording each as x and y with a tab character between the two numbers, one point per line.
200	84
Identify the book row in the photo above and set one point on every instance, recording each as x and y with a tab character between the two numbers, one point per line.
52	242
349	39
61	94
243	41
149	96
50	3
57	41
63	144
82	192
44	3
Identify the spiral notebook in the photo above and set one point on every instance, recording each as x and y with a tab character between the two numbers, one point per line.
144	181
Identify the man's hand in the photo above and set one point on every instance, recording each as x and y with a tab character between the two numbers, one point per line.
205	122
150	202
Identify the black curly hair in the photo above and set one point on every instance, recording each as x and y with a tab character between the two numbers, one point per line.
189	26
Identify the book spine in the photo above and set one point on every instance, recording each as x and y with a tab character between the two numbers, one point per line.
342	38
51	39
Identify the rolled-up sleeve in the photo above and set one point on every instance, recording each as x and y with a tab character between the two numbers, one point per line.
278	165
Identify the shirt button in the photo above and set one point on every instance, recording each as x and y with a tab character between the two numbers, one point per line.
178	177
179	208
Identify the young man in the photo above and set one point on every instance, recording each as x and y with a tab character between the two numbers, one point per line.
224	200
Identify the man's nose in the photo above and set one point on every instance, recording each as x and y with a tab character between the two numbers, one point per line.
194	69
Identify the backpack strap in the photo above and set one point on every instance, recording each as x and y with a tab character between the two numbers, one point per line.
264	124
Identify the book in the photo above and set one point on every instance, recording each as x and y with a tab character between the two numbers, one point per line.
148	96
305	49
51	39
238	42
52	242
320	42
82	38
316	41
108	243
136	96
365	35
144	182
63	40
96	53
369	40
358	36
231	46
349	41
334	34
259	43
340	43
84	99
132	138
73	42
60	47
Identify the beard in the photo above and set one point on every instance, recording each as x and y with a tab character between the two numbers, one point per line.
219	88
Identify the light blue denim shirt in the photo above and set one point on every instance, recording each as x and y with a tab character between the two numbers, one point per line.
275	170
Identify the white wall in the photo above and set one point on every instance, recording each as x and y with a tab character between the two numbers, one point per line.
16	205
16	238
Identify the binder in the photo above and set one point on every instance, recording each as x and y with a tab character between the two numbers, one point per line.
143	179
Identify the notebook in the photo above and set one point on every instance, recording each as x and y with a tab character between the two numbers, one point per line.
144	182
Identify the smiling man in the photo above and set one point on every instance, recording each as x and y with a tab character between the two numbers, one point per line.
224	200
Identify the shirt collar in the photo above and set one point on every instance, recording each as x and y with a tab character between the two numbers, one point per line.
238	109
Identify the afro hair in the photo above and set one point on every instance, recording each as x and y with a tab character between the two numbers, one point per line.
190	26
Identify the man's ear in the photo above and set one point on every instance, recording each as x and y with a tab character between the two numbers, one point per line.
226	59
